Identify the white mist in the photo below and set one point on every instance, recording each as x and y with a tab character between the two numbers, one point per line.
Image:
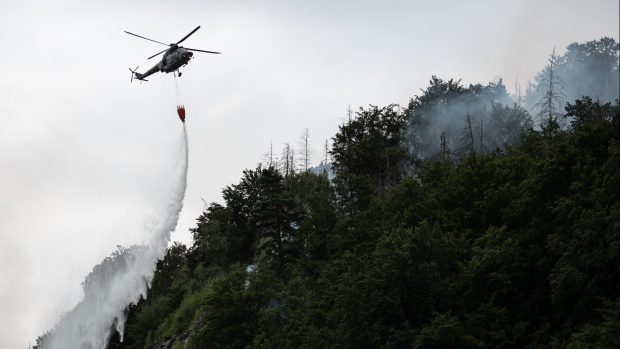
121	279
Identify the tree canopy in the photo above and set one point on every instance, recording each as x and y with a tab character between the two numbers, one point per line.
513	244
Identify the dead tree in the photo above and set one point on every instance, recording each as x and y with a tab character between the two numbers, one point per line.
518	96
445	148
268	156
481	147
551	101
468	137
326	152
285	161
306	150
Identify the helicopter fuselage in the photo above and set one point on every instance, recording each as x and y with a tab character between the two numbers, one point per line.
173	59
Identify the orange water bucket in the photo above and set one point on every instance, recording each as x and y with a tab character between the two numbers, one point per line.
181	112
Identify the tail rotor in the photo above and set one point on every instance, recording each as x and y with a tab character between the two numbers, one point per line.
133	72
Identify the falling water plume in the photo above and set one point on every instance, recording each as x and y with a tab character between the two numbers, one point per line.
122	278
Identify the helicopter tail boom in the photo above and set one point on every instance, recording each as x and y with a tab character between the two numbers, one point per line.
140	77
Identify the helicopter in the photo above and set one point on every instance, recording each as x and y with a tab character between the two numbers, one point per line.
175	56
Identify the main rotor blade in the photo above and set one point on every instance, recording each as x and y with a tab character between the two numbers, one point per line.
157	54
187	36
193	49
145	38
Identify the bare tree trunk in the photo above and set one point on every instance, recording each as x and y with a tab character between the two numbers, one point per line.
481	133
285	158
306	151
326	152
472	150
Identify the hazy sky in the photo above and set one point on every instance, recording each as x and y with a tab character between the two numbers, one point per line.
83	152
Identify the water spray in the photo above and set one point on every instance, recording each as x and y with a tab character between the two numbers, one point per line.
121	279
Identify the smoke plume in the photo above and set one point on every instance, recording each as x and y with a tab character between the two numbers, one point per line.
122	278
585	69
449	120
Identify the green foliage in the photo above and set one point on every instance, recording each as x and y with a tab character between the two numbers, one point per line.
445	331
602	334
214	238
507	249
369	155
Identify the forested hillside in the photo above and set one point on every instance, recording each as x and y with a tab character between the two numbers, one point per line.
456	222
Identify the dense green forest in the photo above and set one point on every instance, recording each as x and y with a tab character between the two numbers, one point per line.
459	221
509	240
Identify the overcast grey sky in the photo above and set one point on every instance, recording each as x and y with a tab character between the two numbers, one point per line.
83	152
